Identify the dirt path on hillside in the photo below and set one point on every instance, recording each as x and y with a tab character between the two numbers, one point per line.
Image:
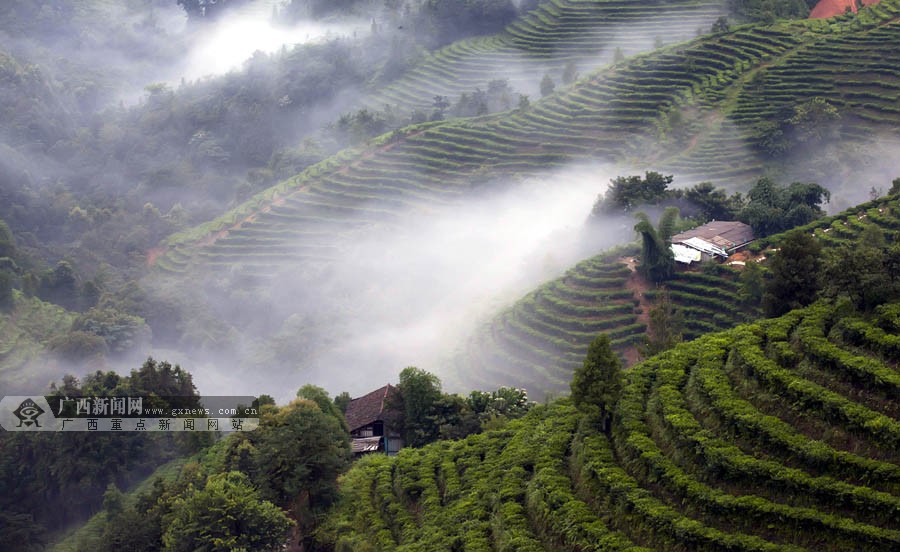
638	286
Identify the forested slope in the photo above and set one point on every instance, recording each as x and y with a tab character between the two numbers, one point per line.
780	435
26	331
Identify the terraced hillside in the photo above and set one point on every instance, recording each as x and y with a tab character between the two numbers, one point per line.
855	72
709	302
616	114
781	435
583	32
608	116
540	340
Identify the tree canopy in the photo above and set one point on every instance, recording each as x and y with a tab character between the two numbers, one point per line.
628	192
597	385
226	514
665	328
795	274
773	208
866	273
657	262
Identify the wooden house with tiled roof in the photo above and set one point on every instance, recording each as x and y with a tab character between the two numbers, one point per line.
374	423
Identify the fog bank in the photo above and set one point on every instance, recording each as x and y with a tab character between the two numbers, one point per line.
412	293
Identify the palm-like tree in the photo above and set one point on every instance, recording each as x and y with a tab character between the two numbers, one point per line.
657	261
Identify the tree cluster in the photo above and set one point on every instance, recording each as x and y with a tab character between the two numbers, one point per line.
866	272
430	415
665	329
767	11
597	385
248	490
809	123
702	202
772	208
795	271
43	475
657	262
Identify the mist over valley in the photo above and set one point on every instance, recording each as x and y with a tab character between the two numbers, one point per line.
502	274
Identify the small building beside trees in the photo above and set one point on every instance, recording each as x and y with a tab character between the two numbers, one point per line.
718	238
374	425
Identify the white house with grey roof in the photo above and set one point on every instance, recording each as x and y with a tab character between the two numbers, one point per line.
719	238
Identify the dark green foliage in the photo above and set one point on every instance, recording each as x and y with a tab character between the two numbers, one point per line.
498	97
772	208
796	279
597	385
42	475
302	9
7	241
361	125
430	415
445	22
60	285
702	202
813	123
895	187
113	501
812	120
420	393
20	533
326	405
121	332
752	285
506	401
570	73
6	290
666	327
242	490
767	11
713	203
342	400
866	273
657	262
226	514
202	9
294	458
140	527
79	346
720	25
626	193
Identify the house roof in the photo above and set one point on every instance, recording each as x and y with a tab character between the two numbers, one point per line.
723	234
830	8
684	254
369	408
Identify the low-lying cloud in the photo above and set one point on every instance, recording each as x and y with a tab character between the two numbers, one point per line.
410	294
224	45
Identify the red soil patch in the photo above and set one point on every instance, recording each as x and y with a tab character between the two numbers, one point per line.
154	254
740	256
831	8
